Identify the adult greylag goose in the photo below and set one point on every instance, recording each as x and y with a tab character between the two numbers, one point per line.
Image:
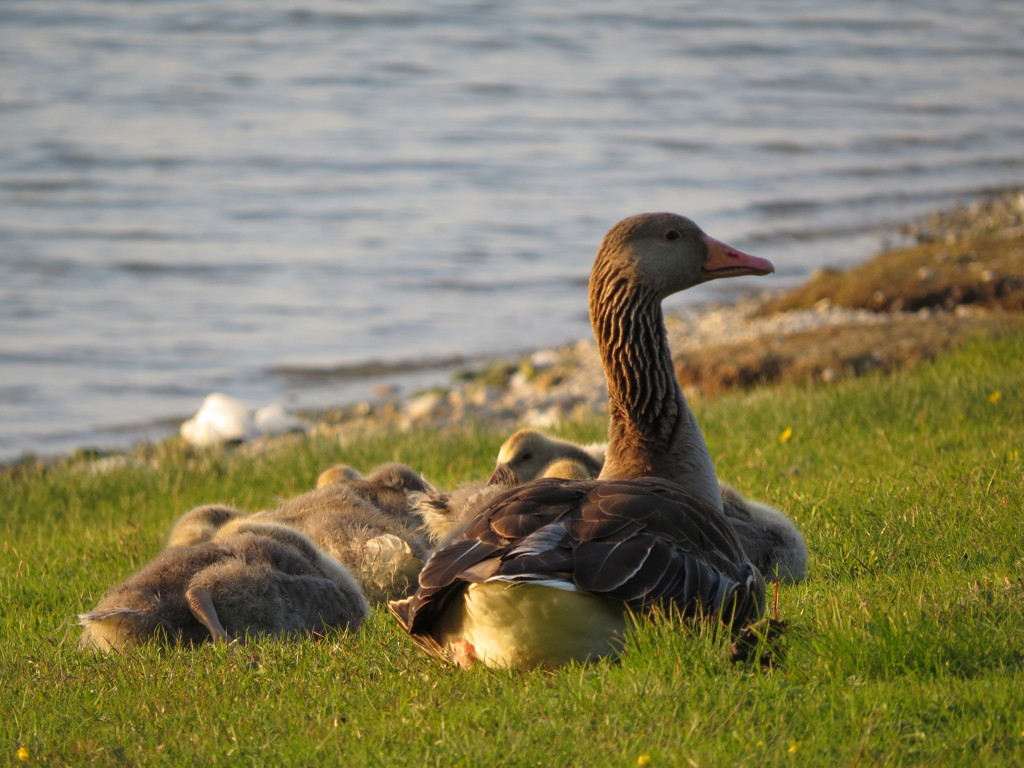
547	572
771	540
256	578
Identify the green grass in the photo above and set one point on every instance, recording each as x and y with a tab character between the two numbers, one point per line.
903	648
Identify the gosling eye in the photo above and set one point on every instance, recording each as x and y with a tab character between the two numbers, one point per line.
672	234
525	456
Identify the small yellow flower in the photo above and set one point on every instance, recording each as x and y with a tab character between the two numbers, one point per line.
794	747
643	759
23	754
995	397
786	434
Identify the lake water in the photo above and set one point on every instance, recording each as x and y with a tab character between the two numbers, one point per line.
268	199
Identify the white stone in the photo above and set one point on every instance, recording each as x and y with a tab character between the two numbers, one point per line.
220	419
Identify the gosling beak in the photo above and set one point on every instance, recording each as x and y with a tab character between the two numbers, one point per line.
725	261
503	475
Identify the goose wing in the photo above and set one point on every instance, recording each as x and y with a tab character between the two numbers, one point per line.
640	541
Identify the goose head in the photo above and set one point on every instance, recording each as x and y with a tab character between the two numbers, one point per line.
659	254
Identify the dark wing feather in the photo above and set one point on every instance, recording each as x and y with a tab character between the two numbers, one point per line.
446	565
516	515
656	571
554	565
603	567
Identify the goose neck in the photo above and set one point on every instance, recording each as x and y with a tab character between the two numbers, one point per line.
652	432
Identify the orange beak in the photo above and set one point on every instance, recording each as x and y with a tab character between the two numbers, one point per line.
725	261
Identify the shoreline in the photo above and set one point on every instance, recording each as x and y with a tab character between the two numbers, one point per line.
961	277
812	332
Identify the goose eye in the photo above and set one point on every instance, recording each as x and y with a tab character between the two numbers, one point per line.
525	456
672	234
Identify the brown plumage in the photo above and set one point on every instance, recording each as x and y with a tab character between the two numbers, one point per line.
650	531
258	578
771	540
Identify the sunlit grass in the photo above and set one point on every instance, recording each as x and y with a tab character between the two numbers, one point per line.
903	648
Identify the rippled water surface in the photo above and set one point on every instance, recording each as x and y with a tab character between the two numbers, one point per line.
263	199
